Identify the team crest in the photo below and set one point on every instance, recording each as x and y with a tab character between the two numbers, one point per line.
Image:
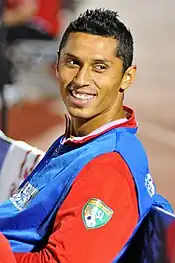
96	214
23	196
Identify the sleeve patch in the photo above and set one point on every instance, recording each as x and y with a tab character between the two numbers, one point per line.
96	214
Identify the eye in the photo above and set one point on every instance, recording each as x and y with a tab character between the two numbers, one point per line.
71	62
100	67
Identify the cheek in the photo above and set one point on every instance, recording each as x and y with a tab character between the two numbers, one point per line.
112	76
62	78
108	84
65	78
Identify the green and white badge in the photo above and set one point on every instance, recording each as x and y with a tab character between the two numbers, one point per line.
96	214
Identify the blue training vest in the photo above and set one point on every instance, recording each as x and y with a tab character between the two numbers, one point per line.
26	218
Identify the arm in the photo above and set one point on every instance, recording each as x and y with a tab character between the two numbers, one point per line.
108	179
21	13
6	255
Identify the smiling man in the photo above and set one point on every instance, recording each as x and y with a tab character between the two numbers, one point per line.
90	193
93	79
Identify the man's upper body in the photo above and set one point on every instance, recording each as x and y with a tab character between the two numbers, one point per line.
104	189
105	182
41	13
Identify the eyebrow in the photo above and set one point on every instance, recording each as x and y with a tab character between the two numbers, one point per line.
96	60
70	55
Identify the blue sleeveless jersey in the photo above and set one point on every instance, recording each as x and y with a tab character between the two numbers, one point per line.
26	218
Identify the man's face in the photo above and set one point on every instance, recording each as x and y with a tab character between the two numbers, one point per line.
89	74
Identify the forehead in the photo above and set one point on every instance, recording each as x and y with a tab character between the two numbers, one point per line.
86	45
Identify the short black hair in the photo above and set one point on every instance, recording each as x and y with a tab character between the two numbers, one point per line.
103	22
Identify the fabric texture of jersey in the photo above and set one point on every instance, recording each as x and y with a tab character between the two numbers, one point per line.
107	179
46	188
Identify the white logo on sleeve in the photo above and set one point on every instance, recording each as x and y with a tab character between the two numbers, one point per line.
149	184
23	196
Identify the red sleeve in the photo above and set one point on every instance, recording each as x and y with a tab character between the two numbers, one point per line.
104	190
170	242
6	255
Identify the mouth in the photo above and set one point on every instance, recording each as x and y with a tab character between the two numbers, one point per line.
80	98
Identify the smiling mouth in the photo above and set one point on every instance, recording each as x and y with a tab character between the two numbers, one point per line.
82	96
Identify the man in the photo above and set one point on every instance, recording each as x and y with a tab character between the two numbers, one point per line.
91	192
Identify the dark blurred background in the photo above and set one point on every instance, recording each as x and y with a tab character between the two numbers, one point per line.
35	112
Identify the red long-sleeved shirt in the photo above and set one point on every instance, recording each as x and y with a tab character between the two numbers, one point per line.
106	178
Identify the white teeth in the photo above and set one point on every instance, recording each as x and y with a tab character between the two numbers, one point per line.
81	96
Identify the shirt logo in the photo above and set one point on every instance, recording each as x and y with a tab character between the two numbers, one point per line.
23	196
96	214
149	184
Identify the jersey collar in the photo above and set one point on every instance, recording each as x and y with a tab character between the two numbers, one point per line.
128	122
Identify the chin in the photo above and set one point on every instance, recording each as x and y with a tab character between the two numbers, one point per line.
80	113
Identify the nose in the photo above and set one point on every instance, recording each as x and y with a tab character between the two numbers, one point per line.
83	77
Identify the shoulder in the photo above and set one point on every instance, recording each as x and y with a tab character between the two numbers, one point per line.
110	169
111	160
132	151
130	143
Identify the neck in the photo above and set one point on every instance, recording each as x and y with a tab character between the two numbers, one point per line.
81	127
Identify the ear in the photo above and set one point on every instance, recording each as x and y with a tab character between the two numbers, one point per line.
57	64
128	78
